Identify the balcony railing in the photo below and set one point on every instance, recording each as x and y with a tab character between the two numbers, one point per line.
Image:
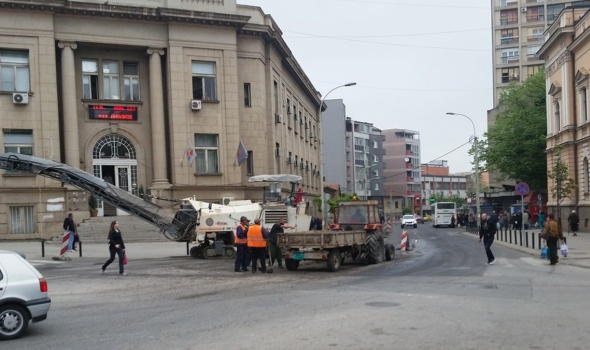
507	21
535	37
511	59
509	40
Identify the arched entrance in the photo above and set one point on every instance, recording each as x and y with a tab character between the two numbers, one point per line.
114	160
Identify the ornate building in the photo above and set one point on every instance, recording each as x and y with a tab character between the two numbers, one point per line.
125	90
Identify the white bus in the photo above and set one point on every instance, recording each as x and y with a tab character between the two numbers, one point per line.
442	212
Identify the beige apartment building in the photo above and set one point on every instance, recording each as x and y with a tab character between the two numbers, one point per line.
567	61
122	89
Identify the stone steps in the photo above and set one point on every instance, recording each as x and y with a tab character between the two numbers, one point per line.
95	230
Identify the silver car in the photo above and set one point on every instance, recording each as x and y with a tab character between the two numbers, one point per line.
409	220
23	295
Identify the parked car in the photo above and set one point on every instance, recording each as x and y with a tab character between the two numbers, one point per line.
23	295
409	220
419	219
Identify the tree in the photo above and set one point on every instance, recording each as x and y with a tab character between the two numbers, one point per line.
516	143
562	185
453	198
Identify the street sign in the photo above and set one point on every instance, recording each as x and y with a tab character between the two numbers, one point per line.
432	199
522	188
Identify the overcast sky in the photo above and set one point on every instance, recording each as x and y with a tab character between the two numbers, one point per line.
412	60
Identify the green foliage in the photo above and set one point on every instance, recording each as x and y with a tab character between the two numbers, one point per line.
333	202
407	210
454	198
92	202
516	142
563	185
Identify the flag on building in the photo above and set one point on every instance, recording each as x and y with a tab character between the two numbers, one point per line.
242	154
189	153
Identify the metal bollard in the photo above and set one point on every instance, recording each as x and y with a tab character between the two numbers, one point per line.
526	235
187	249
510	236
42	248
80	247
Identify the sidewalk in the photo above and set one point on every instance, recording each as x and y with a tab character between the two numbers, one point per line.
578	248
136	251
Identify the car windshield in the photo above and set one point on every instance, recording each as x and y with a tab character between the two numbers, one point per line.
408	217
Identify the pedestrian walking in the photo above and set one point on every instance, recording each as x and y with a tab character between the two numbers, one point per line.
116	247
273	246
541	220
487	231
573	219
241	243
554	233
70	227
257	236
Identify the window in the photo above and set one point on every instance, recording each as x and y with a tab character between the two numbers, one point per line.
14	71
509	36
510	55
508	16
90	79
585	175
553	11
250	164
110	80
131	81
556	113
531	52
535	14
509	74
377	187
276	97
584	105
18	141
204	81
206	153
21	220
532	70
247	95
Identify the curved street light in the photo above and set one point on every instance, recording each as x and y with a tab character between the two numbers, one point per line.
322	196
475	156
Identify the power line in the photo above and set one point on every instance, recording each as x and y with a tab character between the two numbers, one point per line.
313	36
414	5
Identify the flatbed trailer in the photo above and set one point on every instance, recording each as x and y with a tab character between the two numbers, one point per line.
333	246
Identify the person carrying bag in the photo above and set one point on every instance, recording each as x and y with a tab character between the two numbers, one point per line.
551	233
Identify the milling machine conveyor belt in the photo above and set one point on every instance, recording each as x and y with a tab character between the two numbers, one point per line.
163	218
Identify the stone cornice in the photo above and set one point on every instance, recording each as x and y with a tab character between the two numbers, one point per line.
127	12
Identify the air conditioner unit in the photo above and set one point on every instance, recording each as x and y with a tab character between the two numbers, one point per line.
288	109
515	76
296	163
278	118
524	9
196	105
289	160
226	200
20	98
277	152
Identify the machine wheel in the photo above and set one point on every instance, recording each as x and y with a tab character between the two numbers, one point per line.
373	248
196	252
291	264
389	252
14	321
416	226
229	252
334	260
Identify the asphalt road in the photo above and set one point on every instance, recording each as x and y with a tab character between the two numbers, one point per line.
440	295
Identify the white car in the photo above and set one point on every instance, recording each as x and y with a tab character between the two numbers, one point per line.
409	220
23	295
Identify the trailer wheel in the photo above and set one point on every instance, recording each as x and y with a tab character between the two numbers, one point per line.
291	264
195	252
374	248
229	252
334	260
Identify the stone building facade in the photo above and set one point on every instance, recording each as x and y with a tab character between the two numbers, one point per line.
567	60
123	89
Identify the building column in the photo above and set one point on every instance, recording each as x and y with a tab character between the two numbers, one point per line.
70	114
157	119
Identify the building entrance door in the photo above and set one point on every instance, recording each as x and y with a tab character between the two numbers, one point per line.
114	161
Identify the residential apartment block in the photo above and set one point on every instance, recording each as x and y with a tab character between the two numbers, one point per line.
402	179
123	89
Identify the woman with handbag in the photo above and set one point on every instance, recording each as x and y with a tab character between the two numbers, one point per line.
552	232
116	246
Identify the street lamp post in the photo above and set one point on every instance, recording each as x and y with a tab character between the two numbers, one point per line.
322	196
475	156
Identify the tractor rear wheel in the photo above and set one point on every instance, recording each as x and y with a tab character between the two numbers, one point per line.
374	248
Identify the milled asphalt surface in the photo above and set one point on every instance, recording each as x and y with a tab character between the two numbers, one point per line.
578	255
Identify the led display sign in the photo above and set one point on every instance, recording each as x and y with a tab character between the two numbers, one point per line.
102	112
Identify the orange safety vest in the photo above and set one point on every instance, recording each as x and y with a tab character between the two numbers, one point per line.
255	237
241	240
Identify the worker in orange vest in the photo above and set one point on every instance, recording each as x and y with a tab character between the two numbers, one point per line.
241	243
257	236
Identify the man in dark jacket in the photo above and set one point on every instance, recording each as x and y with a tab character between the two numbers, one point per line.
70	227
273	247
487	230
574	220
